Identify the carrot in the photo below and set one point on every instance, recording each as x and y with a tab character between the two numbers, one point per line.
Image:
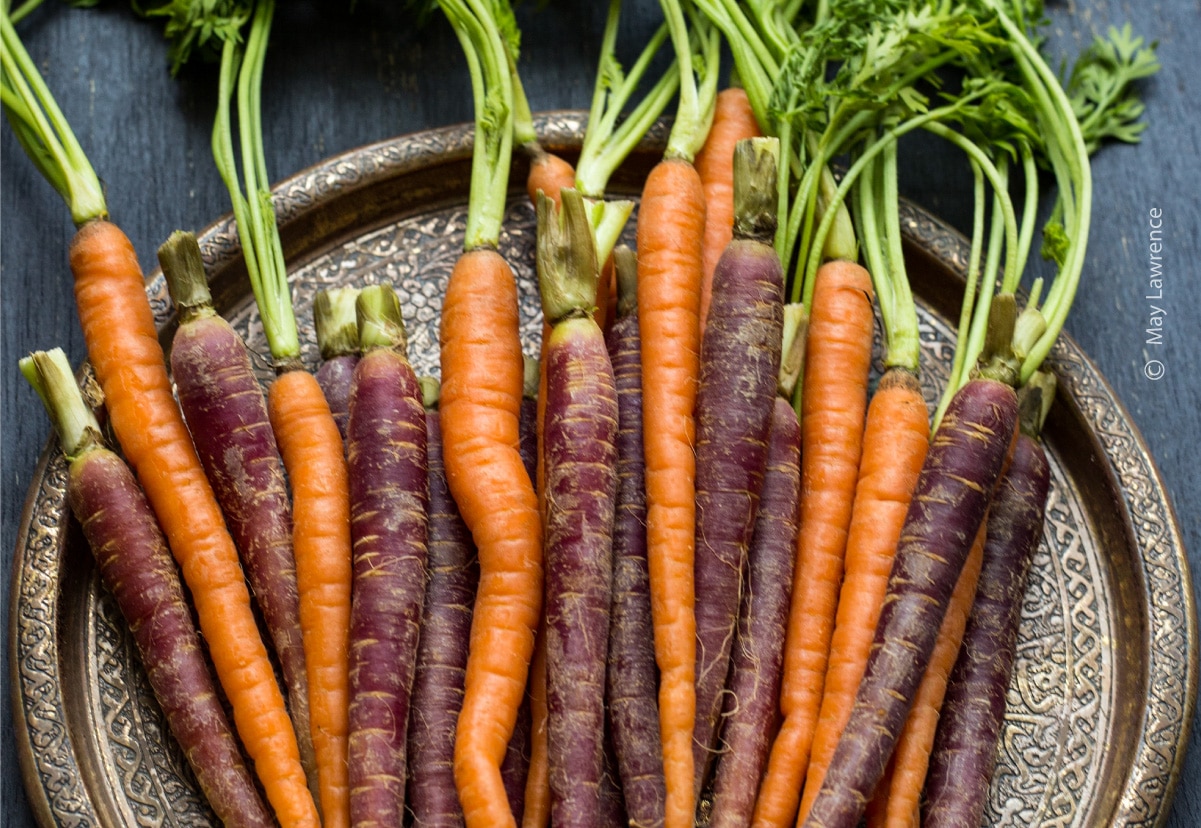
129	364
136	567
482	376
581	489
671	225
548	174
442	649
897	798
389	501
838	357
739	375
672	213
123	346
631	677
226	412
757	663
733	120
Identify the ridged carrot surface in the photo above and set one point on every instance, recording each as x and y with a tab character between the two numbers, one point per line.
670	228
481	408
312	449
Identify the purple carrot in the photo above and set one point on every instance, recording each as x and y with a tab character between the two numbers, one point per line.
962	467
386	438
758	658
633	681
442	651
338	341
739	366
223	404
965	745
580	458
137	568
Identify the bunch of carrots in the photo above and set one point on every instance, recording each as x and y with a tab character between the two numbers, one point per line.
695	564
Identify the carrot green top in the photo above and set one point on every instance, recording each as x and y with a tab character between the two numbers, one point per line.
49	373
252	206
183	268
698	81
335	321
380	322
488	61
566	259
42	129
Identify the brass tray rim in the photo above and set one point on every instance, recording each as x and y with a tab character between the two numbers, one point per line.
561	130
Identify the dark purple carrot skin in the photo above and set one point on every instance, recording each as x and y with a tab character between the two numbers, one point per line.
757	661
613	808
580	428
333	375
223	404
632	679
442	651
137	568
965	460
740	363
965	746
388	522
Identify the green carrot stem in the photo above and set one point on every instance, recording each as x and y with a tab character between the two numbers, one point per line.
996	235
492	92
792	349
50	374
698	84
567	264
959	365
606	144
183	268
43	131
380	323
900	314
253	208
336	325
1063	130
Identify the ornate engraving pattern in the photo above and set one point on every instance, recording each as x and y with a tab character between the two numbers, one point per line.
1063	708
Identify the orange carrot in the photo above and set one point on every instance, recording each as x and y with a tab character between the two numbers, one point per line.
481	404
670	228
838	357
124	349
733	120
537	785
895	440
548	173
898	796
311	447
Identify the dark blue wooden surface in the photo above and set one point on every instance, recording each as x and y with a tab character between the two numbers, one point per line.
336	80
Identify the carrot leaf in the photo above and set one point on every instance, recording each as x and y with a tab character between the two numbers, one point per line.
43	131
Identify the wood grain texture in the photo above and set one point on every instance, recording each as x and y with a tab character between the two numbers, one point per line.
336	80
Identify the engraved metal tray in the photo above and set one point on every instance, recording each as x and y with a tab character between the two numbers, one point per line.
1105	683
